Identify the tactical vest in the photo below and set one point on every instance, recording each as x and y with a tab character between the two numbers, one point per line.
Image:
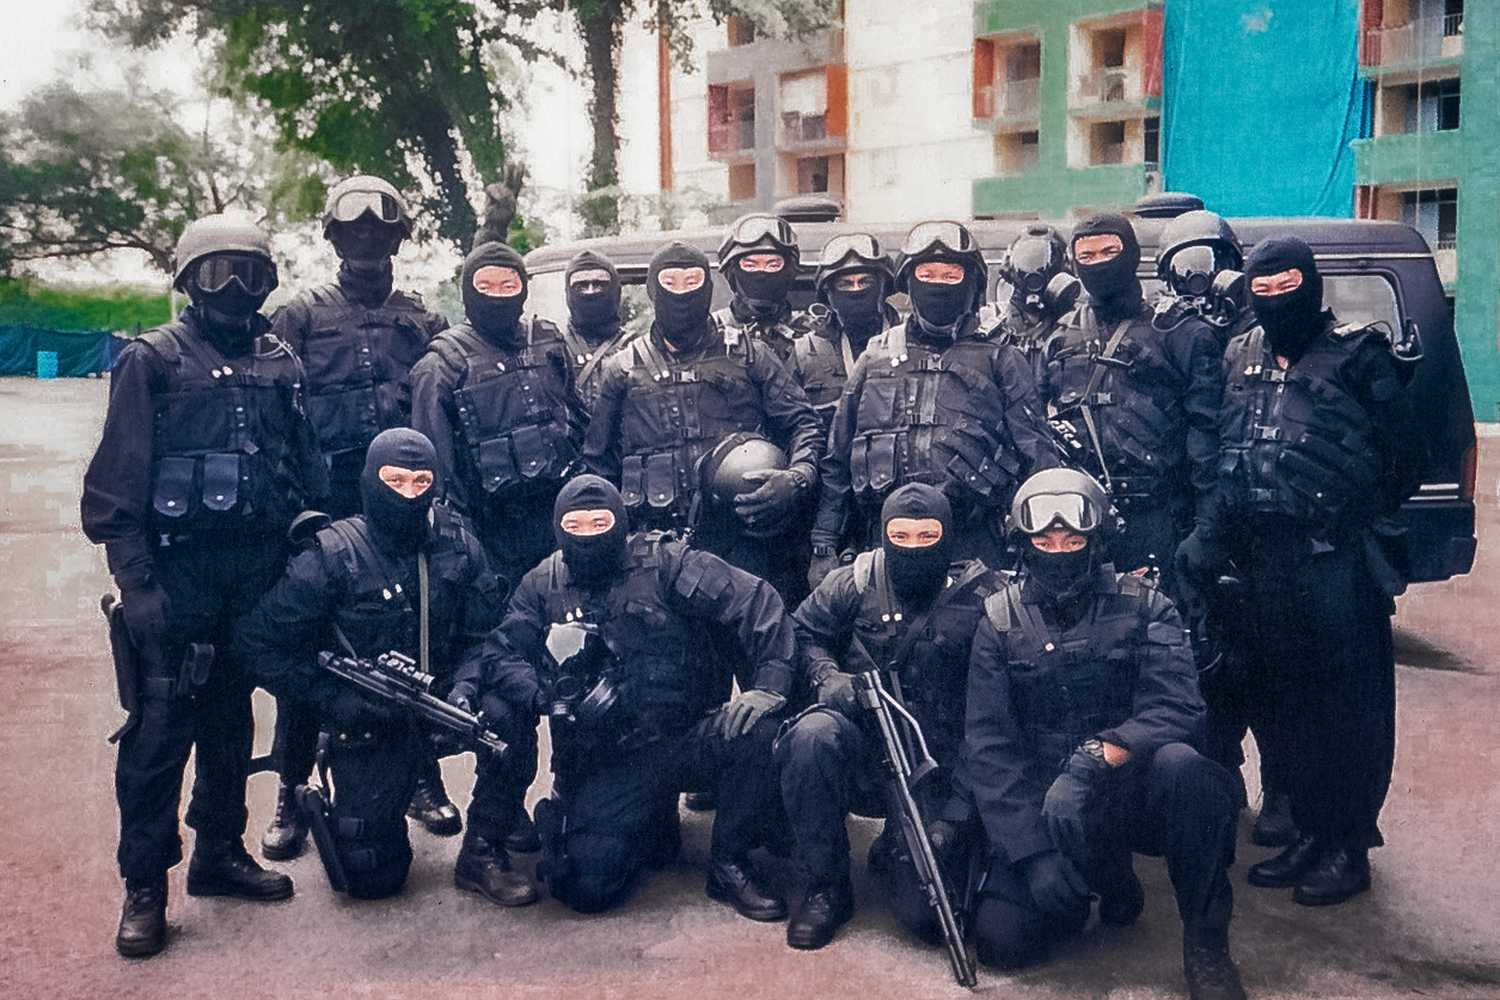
778	335
1029	339
1136	404
933	672
931	417
379	609
821	366
1297	441
512	427
224	461
357	360
588	361
1068	686
674	413
656	652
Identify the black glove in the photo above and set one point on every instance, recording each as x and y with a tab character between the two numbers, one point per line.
1055	883
773	502
943	836
1068	798
836	690
740	716
1197	555
825	559
146	610
463	696
347	709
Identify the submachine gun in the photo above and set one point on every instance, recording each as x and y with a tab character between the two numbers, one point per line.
907	762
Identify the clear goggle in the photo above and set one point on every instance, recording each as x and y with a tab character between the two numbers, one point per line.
1058	510
949	236
354	204
256	275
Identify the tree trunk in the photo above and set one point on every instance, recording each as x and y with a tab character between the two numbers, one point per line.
440	150
601	25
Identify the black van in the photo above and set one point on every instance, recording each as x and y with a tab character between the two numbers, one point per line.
1373	271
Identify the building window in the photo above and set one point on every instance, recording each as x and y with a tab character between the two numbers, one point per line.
741	30
742	182
1151	132
1109	48
812	175
1446	99
1106	143
1434	213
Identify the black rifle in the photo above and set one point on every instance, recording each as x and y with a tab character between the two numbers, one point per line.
395	679
903	774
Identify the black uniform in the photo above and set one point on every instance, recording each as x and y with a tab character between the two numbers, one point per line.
778	331
507	424
205	458
959	414
830	761
365	585
1111	664
594	331
1027	334
822	359
616	786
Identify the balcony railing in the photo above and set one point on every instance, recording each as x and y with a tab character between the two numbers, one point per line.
737	135
1112	153
800	128
1010	99
1418	41
1105	86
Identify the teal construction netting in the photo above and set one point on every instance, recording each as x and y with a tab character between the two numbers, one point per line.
1261	100
78	354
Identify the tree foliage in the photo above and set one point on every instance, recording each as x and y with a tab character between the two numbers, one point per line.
87	171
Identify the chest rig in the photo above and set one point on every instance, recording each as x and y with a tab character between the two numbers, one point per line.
821	365
588	361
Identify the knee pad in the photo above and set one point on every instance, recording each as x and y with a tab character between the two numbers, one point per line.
1007	935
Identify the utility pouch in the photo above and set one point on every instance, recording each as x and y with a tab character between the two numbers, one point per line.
221	482
172	495
661	480
530	450
127	664
633	481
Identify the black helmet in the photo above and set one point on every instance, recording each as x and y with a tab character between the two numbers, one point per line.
354	197
230	235
1060	498
1193	274
758	232
944	241
853	252
1036	268
722	472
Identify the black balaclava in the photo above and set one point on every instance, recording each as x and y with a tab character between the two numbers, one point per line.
765	294
860	313
682	320
917	573
595	558
494	318
231	316
1113	288
365	248
1062	576
938	308
594	317
398	523
1291	321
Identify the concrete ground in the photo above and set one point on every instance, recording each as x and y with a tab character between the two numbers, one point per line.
1430	927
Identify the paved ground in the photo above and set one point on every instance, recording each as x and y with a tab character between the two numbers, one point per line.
1429	928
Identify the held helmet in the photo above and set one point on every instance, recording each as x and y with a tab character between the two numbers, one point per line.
1063	498
849	253
354	197
232	235
722	472
758	232
942	241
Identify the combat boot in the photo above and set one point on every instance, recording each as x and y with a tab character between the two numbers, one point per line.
1340	874
143	918
825	907
523	838
225	868
733	882
485	868
1286	869
430	807
1210	970
288	832
1274	827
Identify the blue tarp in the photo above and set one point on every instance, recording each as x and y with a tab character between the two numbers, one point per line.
1261	99
77	353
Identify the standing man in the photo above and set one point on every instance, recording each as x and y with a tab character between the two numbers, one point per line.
1042	291
1082	707
908	610
759	259
1143	402
651	725
593	331
404	576
1319	451
933	400
357	339
206	456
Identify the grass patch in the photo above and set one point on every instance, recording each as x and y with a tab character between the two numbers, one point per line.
26	302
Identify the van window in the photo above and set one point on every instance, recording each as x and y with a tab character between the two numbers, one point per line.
1362	299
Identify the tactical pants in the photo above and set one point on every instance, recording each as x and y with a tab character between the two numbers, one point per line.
1153	529
1320	665
830	767
615	807
1236	705
208	588
1180	805
344	470
296	741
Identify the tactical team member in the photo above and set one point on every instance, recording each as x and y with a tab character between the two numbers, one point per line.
759	259
934	400
205	458
1143	401
359	591
1201	267
667	398
1042	291
853	282
909	610
1082	705
593	332
622	759
357	339
1318	449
